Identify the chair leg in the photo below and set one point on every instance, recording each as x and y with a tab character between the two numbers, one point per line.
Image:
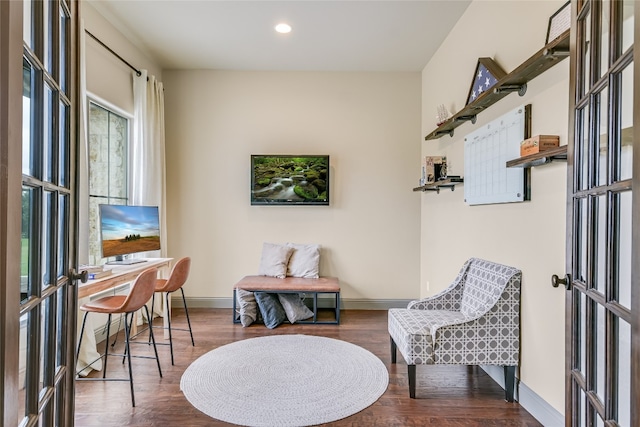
166	301
124	356
153	300
393	350
155	348
412	381
106	347
84	321
509	382
127	333
186	311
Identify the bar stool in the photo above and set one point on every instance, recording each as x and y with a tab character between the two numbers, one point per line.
177	278
141	291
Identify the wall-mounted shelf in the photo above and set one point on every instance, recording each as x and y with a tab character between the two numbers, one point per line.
540	158
516	81
436	186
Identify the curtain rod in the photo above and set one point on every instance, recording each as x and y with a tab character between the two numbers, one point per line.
138	73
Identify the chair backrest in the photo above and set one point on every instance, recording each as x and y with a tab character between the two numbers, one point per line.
141	291
178	276
484	284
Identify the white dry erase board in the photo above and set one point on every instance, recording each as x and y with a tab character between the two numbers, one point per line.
487	179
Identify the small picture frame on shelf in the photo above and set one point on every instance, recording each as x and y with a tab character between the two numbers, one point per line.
559	22
435	169
485	76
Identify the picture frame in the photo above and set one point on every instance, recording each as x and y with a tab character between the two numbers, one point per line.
559	22
485	76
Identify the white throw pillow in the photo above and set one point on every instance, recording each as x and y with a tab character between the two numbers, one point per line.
305	261
274	260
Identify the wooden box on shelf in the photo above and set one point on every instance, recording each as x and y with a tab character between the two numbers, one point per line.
539	143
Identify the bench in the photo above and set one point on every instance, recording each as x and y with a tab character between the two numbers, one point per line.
293	285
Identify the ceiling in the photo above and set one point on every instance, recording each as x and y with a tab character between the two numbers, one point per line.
359	35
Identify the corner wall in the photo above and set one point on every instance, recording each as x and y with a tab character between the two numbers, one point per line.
529	235
369	124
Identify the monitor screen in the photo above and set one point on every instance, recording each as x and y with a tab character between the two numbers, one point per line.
128	229
289	179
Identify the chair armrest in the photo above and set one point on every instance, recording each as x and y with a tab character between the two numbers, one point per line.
479	342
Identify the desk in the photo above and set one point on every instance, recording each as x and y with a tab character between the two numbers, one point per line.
121	274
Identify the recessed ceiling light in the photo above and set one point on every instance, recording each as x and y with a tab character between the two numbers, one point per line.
283	28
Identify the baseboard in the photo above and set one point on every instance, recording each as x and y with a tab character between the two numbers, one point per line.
528	399
345	303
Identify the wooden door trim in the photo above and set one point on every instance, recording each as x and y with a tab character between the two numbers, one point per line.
11	40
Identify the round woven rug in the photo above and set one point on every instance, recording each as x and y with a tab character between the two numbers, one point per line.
284	380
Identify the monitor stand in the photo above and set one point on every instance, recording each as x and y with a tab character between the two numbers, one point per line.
126	261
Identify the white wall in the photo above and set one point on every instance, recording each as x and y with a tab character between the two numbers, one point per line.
107	77
529	235
369	123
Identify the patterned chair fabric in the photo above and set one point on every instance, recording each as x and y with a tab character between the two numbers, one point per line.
475	321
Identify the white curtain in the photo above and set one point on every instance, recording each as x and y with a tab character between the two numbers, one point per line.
148	186
88	352
147	149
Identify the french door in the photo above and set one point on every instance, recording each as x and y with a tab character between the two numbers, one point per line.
603	233
37	211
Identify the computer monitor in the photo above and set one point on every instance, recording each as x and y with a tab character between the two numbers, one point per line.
126	230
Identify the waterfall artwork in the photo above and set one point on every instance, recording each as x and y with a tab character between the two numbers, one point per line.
289	179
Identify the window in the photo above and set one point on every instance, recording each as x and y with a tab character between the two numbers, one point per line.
108	144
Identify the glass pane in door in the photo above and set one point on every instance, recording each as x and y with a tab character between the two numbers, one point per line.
22	366
600	260
45	328
63	31
48	135
627	24
583	237
63	232
584	54
624	373
63	145
603	164
582	312
599	386
583	148
27	16
27	117
626	122
61	337
25	242
605	22
623	267
48	35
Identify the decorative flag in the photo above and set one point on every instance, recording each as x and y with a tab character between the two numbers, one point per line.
486	76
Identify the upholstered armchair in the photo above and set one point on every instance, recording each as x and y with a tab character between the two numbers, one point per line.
475	321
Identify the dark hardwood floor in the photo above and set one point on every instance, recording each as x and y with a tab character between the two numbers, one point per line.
447	395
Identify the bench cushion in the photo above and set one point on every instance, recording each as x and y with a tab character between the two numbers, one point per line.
274	284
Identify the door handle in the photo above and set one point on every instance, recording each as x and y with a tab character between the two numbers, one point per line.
83	276
557	281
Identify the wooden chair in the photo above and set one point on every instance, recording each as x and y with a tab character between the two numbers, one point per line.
141	291
177	278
